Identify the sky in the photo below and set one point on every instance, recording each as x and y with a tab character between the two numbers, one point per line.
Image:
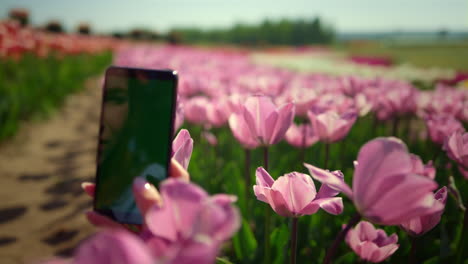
343	15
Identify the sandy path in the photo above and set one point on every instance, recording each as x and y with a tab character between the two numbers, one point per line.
41	202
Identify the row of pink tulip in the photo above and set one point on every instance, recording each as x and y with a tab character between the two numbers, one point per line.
214	84
16	40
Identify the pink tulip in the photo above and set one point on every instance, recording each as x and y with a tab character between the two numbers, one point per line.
294	194
195	109
440	127
331	126
217	112
210	138
241	131
190	225
116	246
371	244
301	136
179	115
419	168
182	147
422	224
385	188
113	246
395	101
266	123
457	149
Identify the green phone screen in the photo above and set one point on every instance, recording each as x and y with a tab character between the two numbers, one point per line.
135	137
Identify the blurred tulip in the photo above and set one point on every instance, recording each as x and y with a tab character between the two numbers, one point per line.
182	147
301	136
395	101
422	224
457	149
294	194
179	115
385	188
419	168
195	109
266	122
190	225
241	131
210	138
440	127
371	244
113	246
331	126
217	112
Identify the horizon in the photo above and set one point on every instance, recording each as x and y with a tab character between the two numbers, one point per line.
363	16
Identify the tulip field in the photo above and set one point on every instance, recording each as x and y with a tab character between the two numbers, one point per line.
37	71
294	156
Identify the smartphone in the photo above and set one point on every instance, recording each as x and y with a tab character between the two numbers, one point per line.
137	122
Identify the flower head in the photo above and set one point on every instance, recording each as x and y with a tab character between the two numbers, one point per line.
422	224
386	189
294	194
182	147
266	123
331	126
371	244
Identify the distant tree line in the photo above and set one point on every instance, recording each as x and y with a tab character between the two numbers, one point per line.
281	32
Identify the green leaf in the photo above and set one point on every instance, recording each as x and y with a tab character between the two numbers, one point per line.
244	241
279	240
349	257
222	261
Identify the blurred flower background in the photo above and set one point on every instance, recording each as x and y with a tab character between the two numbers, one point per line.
371	97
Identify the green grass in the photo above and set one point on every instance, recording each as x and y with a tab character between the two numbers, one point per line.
33	87
441	55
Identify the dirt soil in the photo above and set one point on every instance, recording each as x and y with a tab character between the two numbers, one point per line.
41	171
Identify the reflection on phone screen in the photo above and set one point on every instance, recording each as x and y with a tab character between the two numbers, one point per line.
134	140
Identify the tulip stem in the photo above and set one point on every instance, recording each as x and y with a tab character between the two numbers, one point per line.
302	156
412	255
327	153
462	243
294	240
341	235
247	171
396	122
267	214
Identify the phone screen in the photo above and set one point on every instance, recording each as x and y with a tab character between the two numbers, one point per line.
135	137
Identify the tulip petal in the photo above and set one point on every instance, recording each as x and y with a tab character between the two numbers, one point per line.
283	122
410	196
366	250
256	110
113	246
263	178
269	127
326	191
232	219
297	189
386	251
181	203
241	131
377	162
333	205
278	203
182	147
330	179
